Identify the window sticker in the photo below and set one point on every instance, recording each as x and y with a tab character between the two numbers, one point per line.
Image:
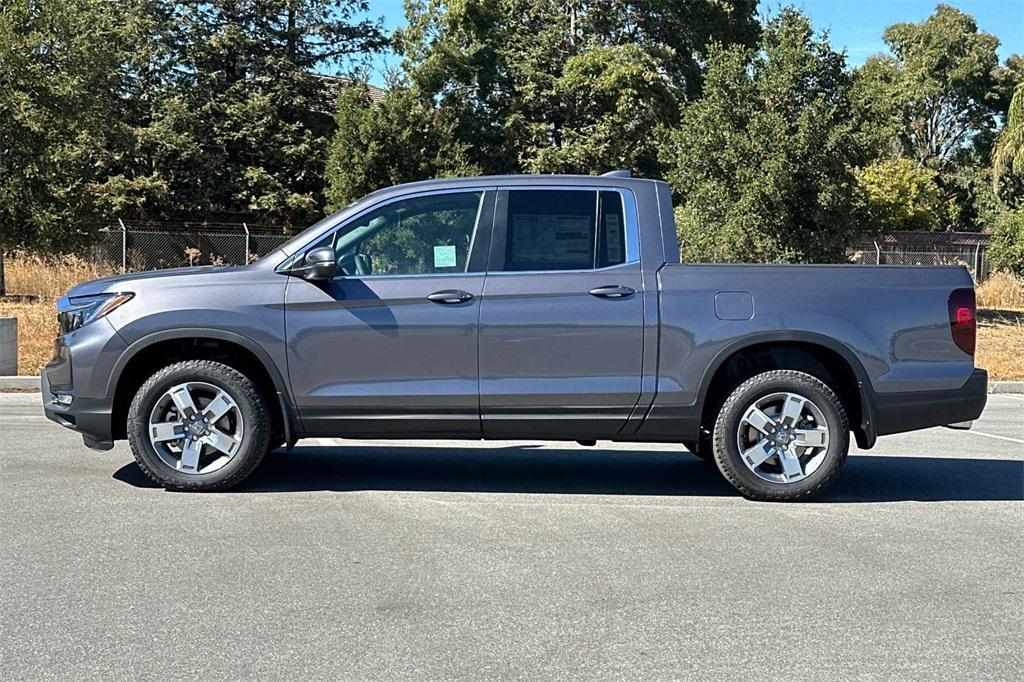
543	239
444	256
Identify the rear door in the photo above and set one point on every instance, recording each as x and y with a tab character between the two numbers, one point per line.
562	318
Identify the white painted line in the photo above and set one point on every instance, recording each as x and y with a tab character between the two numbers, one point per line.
992	435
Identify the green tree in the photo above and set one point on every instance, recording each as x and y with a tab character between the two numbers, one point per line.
761	164
399	139
936	85
614	97
545	85
65	72
159	109
937	100
1006	251
900	195
1008	154
245	120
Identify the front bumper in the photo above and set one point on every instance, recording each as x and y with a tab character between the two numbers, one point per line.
89	417
910	411
79	372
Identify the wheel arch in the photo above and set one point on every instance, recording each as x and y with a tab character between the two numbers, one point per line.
159	349
818	355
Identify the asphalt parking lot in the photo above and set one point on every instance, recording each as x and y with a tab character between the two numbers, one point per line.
512	560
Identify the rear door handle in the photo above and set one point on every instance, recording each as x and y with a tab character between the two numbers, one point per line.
612	291
450	296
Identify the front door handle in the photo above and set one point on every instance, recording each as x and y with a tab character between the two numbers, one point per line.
612	291
450	296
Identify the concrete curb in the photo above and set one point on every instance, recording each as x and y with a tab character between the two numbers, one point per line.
31	385
19	385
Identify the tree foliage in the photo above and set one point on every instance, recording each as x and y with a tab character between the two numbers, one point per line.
399	139
156	109
63	74
549	85
761	164
1008	154
937	100
900	195
935	87
170	109
1006	252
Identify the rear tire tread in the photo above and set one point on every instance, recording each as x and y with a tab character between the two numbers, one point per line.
723	432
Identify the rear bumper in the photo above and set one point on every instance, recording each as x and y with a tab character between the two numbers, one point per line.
899	412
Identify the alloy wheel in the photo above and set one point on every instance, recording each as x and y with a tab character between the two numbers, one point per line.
196	427
783	437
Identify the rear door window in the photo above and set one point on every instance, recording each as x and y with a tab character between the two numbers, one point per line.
564	230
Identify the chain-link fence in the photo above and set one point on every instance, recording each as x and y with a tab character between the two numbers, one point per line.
152	246
132	247
975	260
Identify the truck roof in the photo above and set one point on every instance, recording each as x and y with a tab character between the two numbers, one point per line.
614	179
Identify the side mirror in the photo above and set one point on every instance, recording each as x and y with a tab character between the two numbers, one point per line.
319	264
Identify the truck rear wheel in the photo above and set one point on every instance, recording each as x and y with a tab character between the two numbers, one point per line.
781	435
198	425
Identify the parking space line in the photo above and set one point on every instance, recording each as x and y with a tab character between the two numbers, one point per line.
992	435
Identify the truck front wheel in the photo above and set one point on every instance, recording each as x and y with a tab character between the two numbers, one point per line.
198	425
781	435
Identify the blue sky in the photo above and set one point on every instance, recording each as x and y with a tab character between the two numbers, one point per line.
855	25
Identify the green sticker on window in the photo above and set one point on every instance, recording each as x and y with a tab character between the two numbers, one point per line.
444	256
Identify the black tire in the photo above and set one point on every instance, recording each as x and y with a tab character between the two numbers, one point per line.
255	441
727	452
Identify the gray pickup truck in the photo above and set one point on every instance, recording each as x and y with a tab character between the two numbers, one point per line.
520	307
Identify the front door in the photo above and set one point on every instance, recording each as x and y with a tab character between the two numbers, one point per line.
562	320
390	346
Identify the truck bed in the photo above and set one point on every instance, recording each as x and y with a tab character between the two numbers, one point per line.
890	324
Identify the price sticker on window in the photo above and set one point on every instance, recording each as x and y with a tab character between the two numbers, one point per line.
444	256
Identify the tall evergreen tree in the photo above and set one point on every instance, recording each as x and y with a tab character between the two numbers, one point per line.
245	121
68	71
160	109
761	165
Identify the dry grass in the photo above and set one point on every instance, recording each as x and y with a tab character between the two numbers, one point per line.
1001	344
48	278
1002	291
1001	327
37	328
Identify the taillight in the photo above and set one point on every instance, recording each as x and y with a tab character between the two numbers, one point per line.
963	319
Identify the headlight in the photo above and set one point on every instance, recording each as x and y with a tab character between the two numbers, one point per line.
78	311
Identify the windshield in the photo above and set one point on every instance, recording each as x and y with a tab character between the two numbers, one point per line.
290	246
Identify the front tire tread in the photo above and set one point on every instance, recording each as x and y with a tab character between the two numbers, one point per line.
258	425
